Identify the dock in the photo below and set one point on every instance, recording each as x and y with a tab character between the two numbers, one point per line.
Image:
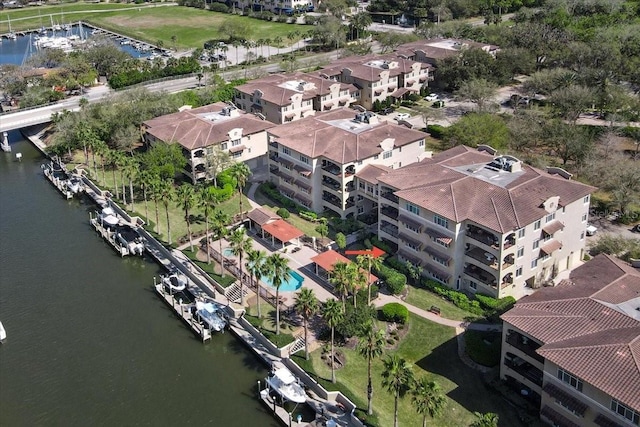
183	311
60	184
108	235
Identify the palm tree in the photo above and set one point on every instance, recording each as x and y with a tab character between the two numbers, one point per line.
370	346
256	267
144	178
113	157
102	149
397	378
488	419
278	272
240	172
131	168
154	185
219	223
186	199
166	194
339	278
369	262
240	245
278	41
357	279
428	399
360	22
306	305
333	315
206	199
121	161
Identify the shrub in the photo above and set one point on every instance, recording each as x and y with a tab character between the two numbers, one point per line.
283	213
395	280
382	245
459	299
362	293
218	7
436	131
354	320
341	240
394	312
308	215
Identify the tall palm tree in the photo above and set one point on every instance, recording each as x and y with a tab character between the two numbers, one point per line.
114	157
357	280
278	272
360	22
102	149
240	245
369	262
166	194
256	267
370	346
306	305
240	172
155	187
219	223
488	419
339	278
206	198
278	41
186	199
122	161
144	178
397	378
428	399
333	315
131	168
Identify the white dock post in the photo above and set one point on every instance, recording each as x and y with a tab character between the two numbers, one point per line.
5	143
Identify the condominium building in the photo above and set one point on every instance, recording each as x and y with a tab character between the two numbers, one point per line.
575	348
480	222
314	160
282	98
432	50
205	132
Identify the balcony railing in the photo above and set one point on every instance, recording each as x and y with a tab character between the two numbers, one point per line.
390	212
526	369
390	196
332	169
334	201
525	345
390	229
483	257
480	275
484	237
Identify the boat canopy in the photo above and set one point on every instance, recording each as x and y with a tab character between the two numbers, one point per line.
209	313
285	376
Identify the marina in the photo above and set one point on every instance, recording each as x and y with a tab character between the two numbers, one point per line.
121	234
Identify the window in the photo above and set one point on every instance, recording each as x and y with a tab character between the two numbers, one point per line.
360	209
387	154
519	271
582	236
421	143
536	225
550	217
534	263
236	155
361	185
520	252
584	218
441	261
536	244
571	380
413	208
411	227
235	142
412	246
223	146
625	411
376	157
443	222
473	285
441	242
521	233
286	151
369	188
304	159
585	200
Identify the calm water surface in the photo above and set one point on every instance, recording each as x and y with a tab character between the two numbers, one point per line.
89	343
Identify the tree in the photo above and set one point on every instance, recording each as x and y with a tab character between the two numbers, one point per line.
186	199
322	229
240	172
475	129
571	101
478	91
131	169
332	313
164	160
166	194
218	161
369	262
279	272
428	399
370	346
397	378
206	199
568	141
339	278
257	268
488	419
306	305
240	245
126	138
341	240
145	178
114	157
154	186
219	227
360	22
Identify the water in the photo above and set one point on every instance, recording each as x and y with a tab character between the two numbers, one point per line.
293	283
16	51
89	343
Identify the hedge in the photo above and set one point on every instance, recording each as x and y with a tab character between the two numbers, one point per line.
436	131
395	280
459	299
283	213
395	312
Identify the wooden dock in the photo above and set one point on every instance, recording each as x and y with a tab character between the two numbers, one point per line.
108	235
183	311
60	184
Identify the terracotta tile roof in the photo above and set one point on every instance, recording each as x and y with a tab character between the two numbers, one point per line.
450	184
590	326
551	247
552	227
328	259
325	135
370	173
282	230
262	216
191	128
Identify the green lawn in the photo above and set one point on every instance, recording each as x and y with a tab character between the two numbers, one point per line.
190	26
432	349
424	299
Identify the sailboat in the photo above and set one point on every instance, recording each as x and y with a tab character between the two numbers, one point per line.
11	35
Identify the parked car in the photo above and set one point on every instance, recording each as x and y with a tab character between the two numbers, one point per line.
591	230
402	116
431	97
387	110
438	104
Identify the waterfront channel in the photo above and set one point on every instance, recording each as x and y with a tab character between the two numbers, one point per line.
89	343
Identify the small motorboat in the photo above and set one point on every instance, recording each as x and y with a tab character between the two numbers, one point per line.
108	218
283	382
3	332
130	239
174	281
74	184
211	314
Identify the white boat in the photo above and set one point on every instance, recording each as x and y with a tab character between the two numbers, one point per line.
74	184
211	314
108	218
174	281
283	382
130	239
3	332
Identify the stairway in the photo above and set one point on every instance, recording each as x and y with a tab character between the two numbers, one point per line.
297	345
233	292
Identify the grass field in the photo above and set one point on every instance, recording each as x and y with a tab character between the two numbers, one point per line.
190	26
424	299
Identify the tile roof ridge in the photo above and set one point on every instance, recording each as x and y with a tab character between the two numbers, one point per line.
515	211
453	200
495	209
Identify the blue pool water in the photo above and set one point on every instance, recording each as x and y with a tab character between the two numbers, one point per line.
293	284
228	252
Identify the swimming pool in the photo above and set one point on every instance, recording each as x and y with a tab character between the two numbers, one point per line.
293	284
227	252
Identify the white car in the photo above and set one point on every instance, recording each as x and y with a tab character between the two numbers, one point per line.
402	116
431	97
591	230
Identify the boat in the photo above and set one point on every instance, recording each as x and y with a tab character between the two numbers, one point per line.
128	238
3	332
283	382
174	281
211	314
74	184
108	218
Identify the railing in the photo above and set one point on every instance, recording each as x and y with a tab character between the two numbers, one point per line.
390	212
390	196
515	340
527	370
480	275
334	202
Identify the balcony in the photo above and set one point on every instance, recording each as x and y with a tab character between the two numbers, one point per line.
195	161
332	168
331	183
389	228
483	236
482	256
350	203
507	280
349	171
330	198
350	187
524	368
391	197
480	275
389	212
509	241
508	261
524	344
273	144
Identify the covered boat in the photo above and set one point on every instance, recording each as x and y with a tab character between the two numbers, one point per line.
108	218
211	314
130	239
74	184
283	382
174	281
3	332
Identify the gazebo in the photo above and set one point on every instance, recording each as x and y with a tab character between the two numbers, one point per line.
271	226
325	262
